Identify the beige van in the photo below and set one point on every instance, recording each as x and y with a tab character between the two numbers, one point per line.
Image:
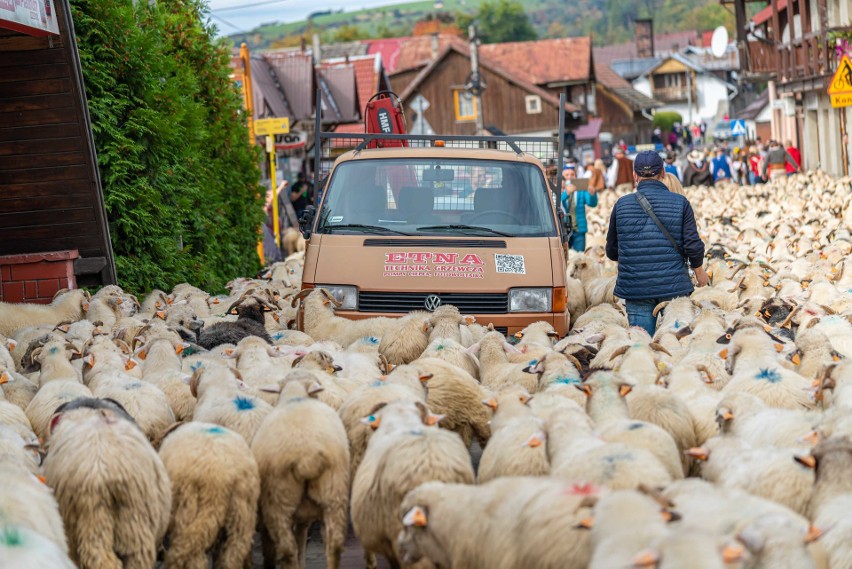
402	229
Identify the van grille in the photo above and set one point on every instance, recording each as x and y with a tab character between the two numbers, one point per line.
480	303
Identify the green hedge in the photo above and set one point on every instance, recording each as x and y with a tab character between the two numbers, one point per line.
665	120
181	183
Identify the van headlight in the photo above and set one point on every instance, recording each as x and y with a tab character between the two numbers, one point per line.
530	299
347	296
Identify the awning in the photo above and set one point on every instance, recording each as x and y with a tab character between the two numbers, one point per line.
34	18
589	131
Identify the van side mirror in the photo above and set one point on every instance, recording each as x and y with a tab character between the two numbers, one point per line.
306	222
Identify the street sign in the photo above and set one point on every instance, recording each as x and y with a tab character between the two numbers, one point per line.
271	126
840	88
738	128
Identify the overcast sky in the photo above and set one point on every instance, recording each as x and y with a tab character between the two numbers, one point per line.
245	19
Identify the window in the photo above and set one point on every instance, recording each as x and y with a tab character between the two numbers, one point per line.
427	196
533	103
465	105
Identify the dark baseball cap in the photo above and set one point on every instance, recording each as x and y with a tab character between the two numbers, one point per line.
648	164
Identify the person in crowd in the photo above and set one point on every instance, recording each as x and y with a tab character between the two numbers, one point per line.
737	166
754	165
301	195
697	171
575	202
673	184
776	162
796	156
650	269
657	136
620	174
721	166
597	179
673	140
671	167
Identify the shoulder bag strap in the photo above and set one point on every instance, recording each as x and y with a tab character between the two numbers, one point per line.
646	205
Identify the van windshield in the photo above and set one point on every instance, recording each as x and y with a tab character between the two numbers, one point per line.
427	196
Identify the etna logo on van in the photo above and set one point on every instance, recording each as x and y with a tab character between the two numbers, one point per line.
426	264
384	119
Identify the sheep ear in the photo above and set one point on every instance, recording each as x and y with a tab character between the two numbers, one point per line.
646	558
510	349
584	387
469	319
433	419
54	420
474	349
11	344
424	411
298	360
683	332
814	533
378	407
808	461
274	388
415	517
596	338
624	389
732	553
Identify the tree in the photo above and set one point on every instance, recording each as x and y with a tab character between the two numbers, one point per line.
500	21
180	178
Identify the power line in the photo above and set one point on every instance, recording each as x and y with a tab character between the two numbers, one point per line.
226	22
254	5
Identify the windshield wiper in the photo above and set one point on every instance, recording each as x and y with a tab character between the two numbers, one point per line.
366	228
464	228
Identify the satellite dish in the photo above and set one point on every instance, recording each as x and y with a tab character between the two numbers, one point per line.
719	42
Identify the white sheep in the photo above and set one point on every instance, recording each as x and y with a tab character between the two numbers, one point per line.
402	454
303	458
215	487
24	547
496	370
453	353
66	306
320	322
129	476
223	399
27	502
532	522
518	445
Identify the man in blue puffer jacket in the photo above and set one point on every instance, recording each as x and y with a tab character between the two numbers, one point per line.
650	270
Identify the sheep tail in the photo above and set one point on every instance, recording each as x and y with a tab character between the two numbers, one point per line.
91	538
192	533
239	530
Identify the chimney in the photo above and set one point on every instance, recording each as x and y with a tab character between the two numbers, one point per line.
316	49
436	46
644	38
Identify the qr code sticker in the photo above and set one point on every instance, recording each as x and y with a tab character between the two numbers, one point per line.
510	264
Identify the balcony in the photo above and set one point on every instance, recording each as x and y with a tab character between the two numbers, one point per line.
675	94
758	59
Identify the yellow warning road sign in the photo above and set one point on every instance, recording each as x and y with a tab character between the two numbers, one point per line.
840	88
271	126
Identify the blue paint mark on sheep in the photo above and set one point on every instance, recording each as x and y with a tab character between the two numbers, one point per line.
634	426
11	537
676	325
770	375
439	347
278	335
370	340
196	366
216	430
567	380
54	350
243	403
134	385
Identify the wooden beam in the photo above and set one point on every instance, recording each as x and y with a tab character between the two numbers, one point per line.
89	265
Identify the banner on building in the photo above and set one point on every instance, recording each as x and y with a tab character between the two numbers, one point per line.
840	88
32	17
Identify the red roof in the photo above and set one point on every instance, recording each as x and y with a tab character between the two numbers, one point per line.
403	54
663	44
589	131
544	61
366	80
766	14
389	49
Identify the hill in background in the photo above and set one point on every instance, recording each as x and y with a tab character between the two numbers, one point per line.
608	21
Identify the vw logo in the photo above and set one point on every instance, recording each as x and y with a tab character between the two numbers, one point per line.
432	302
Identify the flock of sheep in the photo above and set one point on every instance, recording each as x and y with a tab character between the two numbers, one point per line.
179	426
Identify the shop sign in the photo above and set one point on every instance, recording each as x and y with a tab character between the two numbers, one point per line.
292	140
32	17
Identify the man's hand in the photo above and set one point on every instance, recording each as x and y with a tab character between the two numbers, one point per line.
702	277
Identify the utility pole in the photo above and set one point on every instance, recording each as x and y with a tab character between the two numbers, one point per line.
475	85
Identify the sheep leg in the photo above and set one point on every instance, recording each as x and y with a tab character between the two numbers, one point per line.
268	548
193	533
278	514
370	561
239	531
90	535
331	492
302	541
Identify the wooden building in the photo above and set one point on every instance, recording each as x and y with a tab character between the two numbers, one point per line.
52	216
510	104
794	46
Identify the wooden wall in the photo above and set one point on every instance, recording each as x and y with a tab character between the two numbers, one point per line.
503	102
50	191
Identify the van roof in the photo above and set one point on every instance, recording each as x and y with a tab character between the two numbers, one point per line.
439	152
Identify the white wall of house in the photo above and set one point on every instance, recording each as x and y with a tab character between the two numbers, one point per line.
712	94
822	145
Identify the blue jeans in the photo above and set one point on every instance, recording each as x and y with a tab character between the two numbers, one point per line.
578	241
641	313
